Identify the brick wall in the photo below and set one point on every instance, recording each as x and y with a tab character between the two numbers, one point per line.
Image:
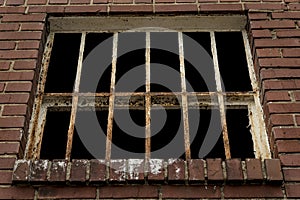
275	41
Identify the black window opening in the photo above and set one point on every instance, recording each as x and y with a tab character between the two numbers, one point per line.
184	79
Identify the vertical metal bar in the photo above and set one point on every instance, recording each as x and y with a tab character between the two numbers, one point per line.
220	96
111	98
184	99
34	127
260	138
75	99
148	100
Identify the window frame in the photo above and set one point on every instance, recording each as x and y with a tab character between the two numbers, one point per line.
115	24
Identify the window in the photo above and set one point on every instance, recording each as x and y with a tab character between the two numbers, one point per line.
181	87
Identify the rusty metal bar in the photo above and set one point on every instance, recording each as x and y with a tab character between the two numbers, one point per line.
184	99
220	96
75	99
35	132
258	129
148	101
111	98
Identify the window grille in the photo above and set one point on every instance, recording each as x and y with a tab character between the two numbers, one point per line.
65	95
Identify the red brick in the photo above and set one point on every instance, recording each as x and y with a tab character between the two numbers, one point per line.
268	53
214	169
32	26
58	171
24	18
9	148
18	87
207	1
273	170
14	98
258	16
279	73
135	170
287	42
117	170
291	174
193	192
293	7
281	84
10	135
4	65
156	170
60	192
21	171
142	1
36	2
6	177
261	34
253	191
286	15
131	8
254	170
5	45
86	9
176	170
184	1
7	162
78	171
21	35
162	8
2	85
80	1
47	9
39	170
291	52
221	7
292	190
277	96
16	76
286	133
282	120
125	1
100	1
126	192
297	96
272	24
24	64
279	62
291	160
298	119
196	170
234	170
18	54
17	192
58	1
28	45
283	107
14	110
15	2
288	33
288	146
264	6
12	10
9	27
12	122
97	171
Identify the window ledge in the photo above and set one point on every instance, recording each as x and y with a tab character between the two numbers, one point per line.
132	171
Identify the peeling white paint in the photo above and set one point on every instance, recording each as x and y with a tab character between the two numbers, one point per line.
156	166
134	168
